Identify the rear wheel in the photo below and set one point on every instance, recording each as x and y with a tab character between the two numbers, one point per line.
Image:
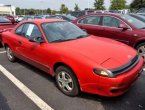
10	54
0	44
141	49
67	81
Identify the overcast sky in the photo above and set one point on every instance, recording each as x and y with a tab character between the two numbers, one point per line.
53	4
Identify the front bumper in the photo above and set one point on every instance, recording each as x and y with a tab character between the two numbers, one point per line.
115	86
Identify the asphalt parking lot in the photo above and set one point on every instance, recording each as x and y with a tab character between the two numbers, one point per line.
41	84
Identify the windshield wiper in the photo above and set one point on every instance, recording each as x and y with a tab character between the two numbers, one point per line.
58	40
62	40
142	28
82	36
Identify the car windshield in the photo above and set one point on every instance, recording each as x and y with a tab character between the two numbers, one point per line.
70	17
134	21
62	31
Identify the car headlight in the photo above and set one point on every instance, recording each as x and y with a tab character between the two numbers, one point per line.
103	72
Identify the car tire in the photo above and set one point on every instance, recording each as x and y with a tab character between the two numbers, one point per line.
141	49
10	54
1	45
66	81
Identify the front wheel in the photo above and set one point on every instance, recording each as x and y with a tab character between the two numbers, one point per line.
67	81
9	54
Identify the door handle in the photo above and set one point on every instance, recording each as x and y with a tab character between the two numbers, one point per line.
19	42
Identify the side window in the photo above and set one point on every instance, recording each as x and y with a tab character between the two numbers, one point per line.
91	20
19	30
111	21
31	30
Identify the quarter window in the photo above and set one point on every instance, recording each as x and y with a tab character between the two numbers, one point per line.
111	21
19	30
91	20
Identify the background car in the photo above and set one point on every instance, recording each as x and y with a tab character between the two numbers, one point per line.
139	17
11	18
121	27
44	16
63	17
78	61
19	18
141	11
31	17
4	20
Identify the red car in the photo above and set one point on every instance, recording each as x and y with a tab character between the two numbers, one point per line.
78	61
124	28
11	18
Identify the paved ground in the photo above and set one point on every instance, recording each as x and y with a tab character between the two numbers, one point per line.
12	98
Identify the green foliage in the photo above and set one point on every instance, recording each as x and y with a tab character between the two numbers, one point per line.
48	10
63	9
76	8
32	11
99	5
117	4
137	4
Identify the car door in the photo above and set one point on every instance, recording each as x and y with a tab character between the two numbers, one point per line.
91	24
112	30
31	51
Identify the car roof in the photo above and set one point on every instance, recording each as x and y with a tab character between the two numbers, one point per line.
40	21
114	14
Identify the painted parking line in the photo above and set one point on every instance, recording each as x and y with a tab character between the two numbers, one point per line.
31	95
3	52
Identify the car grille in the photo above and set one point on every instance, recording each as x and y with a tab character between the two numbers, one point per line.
126	67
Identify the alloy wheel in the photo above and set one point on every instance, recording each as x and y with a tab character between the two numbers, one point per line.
141	51
65	81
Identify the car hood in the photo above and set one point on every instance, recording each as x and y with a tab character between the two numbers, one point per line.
105	52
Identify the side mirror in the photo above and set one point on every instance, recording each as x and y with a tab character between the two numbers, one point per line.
123	26
36	39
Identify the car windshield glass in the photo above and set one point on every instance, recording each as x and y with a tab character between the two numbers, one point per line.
134	21
70	17
62	31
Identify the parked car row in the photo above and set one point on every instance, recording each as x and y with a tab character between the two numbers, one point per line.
77	60
78	54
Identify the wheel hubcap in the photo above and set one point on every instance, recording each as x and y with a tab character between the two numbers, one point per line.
9	53
141	51
65	81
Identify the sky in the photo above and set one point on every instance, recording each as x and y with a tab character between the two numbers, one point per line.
53	4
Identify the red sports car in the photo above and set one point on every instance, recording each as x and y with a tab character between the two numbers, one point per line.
78	61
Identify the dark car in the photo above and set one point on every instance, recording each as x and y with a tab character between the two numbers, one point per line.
4	20
140	17
141	11
63	17
31	17
121	27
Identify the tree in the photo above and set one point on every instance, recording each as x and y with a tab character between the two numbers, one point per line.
31	12
99	5
48	10
118	4
137	4
76	8
63	9
18	11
